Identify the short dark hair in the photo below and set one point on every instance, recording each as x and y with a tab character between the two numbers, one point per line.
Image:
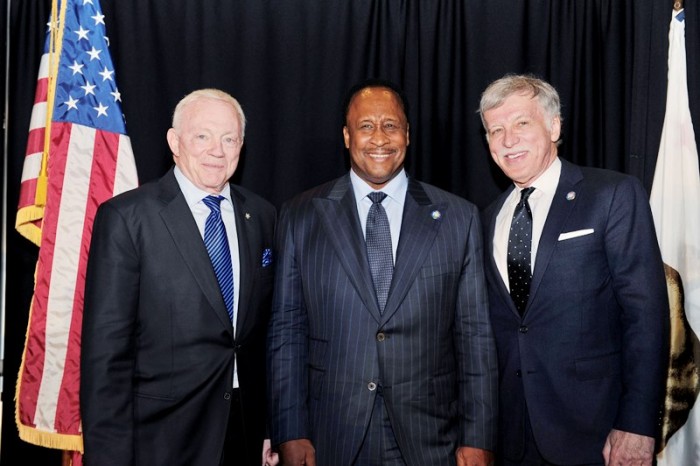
374	82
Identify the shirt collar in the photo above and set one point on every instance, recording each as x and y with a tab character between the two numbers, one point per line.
192	193
546	184
393	189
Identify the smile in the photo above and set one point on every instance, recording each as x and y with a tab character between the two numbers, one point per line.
515	155
380	155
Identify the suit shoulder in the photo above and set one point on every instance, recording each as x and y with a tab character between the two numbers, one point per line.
605	179
254	199
135	196
606	175
440	195
305	197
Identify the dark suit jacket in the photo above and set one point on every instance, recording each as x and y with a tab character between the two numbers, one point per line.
589	354
157	343
431	352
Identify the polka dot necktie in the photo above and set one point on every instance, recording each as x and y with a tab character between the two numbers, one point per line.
519	244
216	241
379	251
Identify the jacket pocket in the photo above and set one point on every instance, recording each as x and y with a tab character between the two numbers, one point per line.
598	367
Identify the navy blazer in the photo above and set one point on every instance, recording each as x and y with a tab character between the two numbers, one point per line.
157	345
589	354
431	351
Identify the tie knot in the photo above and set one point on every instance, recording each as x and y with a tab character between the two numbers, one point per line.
377	197
525	193
213	202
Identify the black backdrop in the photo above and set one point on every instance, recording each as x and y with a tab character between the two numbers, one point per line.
289	62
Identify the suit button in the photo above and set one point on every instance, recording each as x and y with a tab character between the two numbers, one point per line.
518	373
523	329
381	336
372	386
227	396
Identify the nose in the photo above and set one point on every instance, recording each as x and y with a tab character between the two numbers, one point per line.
379	138
216	148
510	138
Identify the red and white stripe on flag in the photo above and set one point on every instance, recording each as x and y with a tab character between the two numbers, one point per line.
78	142
30	211
674	200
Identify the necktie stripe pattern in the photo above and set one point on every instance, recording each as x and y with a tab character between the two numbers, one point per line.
379	251
519	246
216	242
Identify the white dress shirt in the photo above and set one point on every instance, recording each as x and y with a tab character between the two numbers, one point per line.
540	201
193	196
393	203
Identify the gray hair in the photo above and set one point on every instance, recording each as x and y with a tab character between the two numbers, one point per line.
209	93
510	84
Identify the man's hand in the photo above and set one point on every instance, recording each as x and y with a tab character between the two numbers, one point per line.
297	453
628	449
469	456
269	457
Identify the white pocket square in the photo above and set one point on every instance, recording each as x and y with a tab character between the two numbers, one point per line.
575	234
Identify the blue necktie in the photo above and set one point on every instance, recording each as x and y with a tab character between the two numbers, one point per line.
379	251
519	245
216	241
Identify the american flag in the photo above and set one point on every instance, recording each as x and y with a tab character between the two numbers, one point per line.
78	155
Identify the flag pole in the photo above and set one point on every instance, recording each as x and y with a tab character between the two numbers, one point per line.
3	240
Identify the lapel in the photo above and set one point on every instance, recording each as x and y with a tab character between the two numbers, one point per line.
338	214
247	241
418	232
180	223
559	212
492	269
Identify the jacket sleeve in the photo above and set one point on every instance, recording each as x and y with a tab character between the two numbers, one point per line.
476	350
640	288
107	357
287	343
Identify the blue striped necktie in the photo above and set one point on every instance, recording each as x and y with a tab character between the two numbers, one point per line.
216	241
379	250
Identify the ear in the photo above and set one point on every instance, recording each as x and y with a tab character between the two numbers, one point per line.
173	142
346	137
556	129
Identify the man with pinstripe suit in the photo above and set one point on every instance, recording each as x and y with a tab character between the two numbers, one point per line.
354	380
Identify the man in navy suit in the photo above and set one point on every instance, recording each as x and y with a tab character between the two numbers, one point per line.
582	361
169	375
354	381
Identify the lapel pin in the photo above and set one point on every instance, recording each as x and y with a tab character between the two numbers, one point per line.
247	216
570	196
436	214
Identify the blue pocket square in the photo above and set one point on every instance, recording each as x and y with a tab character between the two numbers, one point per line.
267	257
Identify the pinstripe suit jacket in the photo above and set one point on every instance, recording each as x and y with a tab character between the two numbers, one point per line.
431	351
